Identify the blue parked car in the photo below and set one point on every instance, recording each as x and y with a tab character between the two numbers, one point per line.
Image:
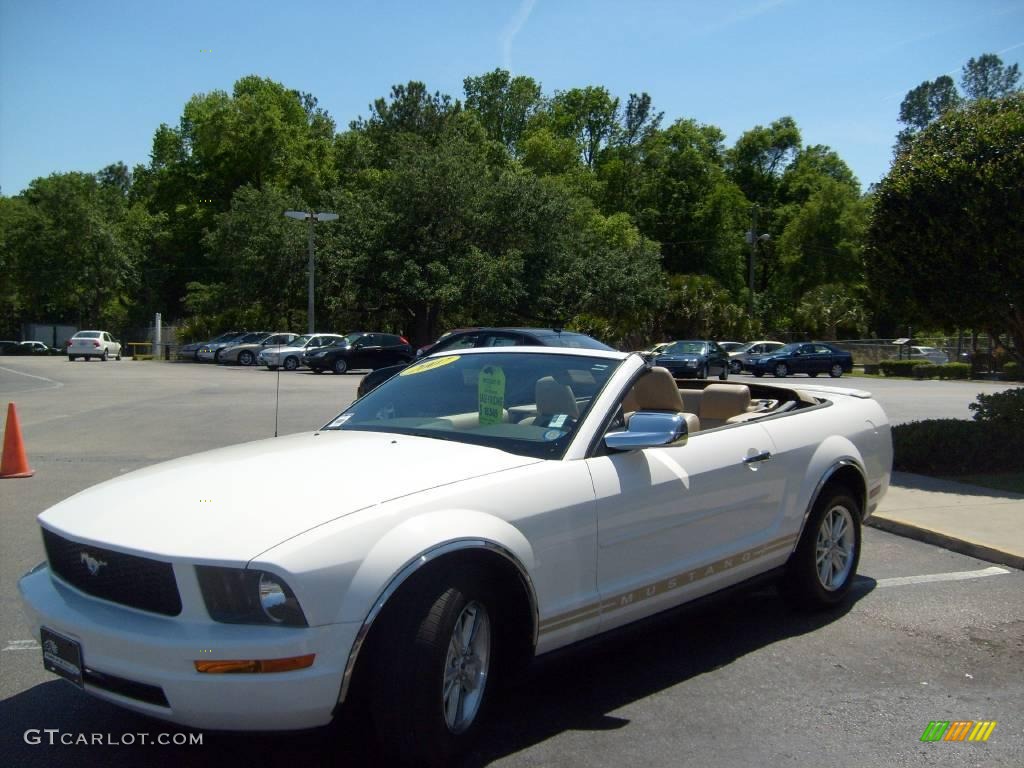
812	358
696	359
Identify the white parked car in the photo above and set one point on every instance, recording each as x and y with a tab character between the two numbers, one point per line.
738	358
931	354
498	505
90	344
290	357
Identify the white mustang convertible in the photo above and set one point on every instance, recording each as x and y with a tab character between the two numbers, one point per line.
498	505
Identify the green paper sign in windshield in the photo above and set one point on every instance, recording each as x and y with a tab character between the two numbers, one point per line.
491	391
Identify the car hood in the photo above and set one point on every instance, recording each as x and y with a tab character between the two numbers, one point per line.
679	358
231	504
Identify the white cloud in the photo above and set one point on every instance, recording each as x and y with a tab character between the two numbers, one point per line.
515	24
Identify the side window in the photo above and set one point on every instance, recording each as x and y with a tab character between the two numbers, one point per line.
465	341
500	340
389	340
822	350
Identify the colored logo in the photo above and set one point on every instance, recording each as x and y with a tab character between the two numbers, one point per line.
958	730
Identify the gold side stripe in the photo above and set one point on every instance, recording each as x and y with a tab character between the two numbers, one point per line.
649	591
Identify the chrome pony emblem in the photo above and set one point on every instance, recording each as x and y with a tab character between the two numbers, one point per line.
92	563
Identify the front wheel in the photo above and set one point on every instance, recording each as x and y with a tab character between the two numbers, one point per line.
836	371
433	669
291	363
724	375
781	371
71	358
340	366
812	374
758	374
104	356
735	367
821	571
245	357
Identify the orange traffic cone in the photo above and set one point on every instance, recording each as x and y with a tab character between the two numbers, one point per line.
14	462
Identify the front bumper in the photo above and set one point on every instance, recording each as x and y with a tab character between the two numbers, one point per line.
160	652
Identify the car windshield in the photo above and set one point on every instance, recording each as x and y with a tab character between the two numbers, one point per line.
685	348
88	335
225	337
252	338
524	403
788	349
745	348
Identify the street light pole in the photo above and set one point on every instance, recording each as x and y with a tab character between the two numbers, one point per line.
753	239
312	218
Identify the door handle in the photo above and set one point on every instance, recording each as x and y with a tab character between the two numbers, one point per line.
758	457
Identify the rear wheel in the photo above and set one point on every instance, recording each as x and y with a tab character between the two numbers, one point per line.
104	356
118	355
781	371
724	375
291	363
835	371
245	357
758	374
433	668
821	571
735	366
340	366
812	374
71	358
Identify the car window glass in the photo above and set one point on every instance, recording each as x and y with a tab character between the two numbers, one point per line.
822	350
500	340
465	341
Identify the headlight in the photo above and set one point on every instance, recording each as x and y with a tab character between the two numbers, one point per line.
690	363
244	596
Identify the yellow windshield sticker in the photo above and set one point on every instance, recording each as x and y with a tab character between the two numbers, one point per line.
491	392
429	365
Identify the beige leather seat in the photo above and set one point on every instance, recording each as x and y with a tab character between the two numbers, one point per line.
656	390
722	402
553	400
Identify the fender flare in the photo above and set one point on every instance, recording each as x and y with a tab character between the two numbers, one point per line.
847	455
476	531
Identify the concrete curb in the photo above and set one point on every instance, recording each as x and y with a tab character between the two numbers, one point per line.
945	541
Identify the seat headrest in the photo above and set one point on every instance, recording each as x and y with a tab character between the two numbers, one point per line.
722	401
656	390
554	398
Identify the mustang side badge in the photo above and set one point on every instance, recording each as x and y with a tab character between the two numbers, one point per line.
92	563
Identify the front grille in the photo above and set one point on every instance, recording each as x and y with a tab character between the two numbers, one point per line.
138	582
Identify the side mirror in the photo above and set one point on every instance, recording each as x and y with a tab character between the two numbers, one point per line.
648	429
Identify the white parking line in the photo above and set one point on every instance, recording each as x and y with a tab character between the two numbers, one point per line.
21	645
53	384
900	581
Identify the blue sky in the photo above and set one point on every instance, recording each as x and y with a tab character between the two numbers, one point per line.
85	83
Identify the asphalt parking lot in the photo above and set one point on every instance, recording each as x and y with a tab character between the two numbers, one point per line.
740	682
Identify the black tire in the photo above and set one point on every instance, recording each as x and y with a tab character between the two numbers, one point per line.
407	698
291	363
812	374
316	370
118	356
216	356
245	357
104	356
803	584
724	375
759	374
71	358
340	366
781	370
735	367
702	372
835	371
272	367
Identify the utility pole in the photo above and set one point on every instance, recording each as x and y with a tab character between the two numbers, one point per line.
753	239
312	218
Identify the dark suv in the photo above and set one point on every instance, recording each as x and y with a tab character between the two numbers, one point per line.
489	337
360	350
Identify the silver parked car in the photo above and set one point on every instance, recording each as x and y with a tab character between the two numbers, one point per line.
738	358
247	353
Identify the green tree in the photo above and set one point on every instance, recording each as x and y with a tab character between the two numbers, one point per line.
504	104
946	238
986	77
759	158
589	116
825	309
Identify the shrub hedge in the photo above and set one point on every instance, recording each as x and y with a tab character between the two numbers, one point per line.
899	367
944	371
957	447
1004	407
1012	370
